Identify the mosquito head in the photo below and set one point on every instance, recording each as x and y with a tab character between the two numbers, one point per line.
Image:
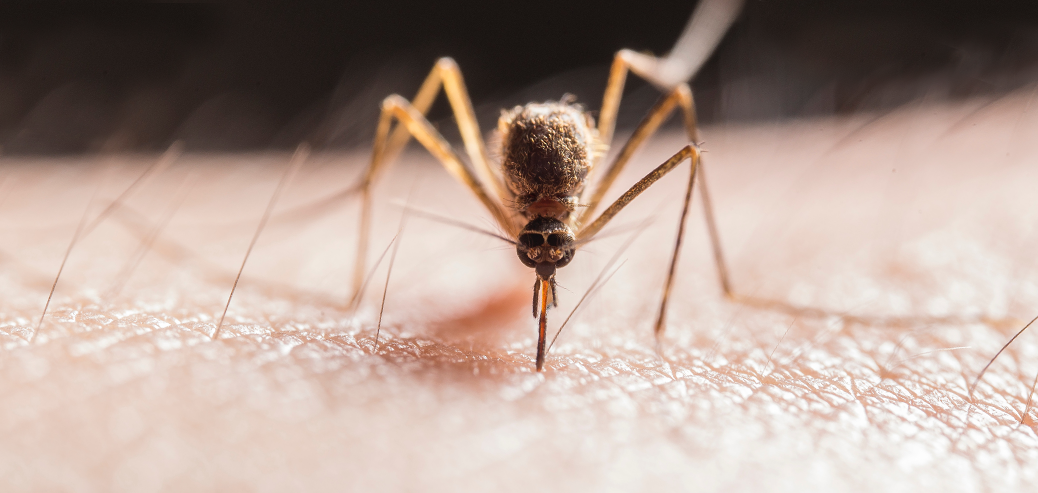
545	244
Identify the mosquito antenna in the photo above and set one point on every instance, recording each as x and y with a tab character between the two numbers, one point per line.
598	280
148	241
68	252
981	375
297	160
167	158
432	216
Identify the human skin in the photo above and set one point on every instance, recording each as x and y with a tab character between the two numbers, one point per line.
896	251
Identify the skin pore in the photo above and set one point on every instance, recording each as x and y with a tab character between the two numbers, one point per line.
912	233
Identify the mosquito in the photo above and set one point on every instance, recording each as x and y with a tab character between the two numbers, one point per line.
538	193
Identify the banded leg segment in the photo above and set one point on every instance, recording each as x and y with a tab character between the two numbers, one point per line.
414	123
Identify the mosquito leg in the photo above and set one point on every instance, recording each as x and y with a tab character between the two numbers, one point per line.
397	108
715	238
447	75
624	61
720	16
679	97
690	152
659	113
658	329
704	31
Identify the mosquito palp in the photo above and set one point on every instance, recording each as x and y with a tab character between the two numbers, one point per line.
536	296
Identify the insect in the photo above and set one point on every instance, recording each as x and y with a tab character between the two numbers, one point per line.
538	194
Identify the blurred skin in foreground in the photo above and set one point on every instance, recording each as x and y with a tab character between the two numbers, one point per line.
910	233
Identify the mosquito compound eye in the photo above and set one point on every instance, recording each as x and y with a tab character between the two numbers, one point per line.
556	240
531	240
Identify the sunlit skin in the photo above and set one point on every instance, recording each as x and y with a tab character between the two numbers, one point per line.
914	231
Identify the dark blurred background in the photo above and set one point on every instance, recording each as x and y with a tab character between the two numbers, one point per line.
87	77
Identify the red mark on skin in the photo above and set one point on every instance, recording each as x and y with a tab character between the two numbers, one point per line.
486	321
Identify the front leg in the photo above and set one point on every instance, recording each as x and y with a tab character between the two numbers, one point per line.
411	115
690	152
412	121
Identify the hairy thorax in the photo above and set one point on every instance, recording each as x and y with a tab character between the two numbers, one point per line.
547	151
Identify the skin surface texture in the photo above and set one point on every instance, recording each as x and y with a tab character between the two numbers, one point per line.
910	236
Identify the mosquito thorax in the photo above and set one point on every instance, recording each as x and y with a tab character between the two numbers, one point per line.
547	150
545	244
